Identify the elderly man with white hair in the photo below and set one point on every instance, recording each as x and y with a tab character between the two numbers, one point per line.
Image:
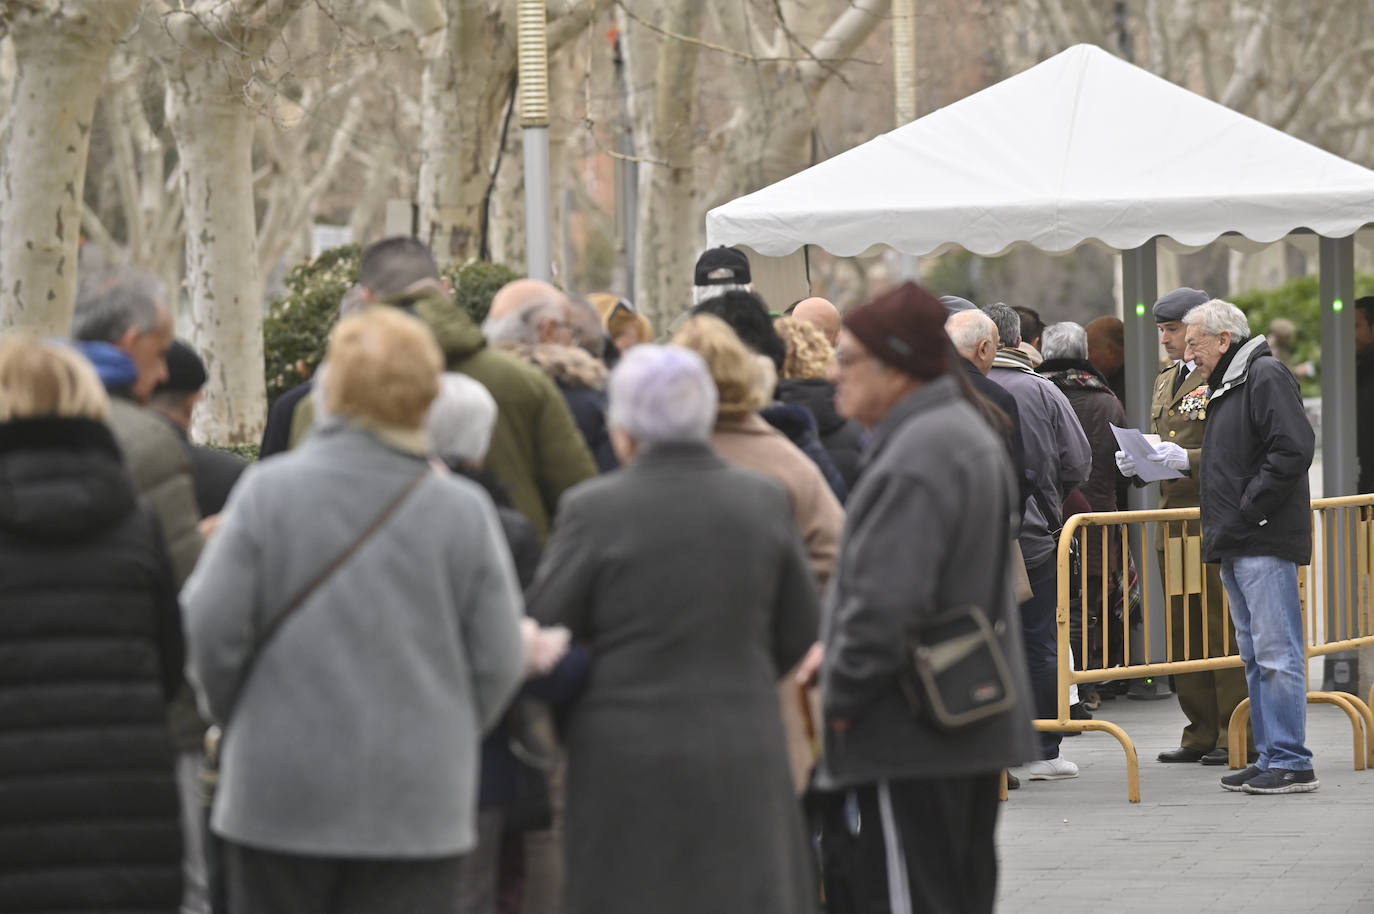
687	581
1257	523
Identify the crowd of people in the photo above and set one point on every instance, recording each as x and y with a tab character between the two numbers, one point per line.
542	615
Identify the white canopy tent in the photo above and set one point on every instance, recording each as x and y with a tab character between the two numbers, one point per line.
1085	147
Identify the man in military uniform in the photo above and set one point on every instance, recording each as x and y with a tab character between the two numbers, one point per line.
1178	411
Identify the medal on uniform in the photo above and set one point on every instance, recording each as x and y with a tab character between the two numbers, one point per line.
1202	413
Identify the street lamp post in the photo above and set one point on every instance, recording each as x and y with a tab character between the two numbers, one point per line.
533	50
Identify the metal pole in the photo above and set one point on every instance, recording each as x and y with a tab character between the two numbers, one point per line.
1337	271
533	50
1139	289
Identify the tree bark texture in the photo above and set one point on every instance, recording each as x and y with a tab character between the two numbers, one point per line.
61	49
663	72
208	56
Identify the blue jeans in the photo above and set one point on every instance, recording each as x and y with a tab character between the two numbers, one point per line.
1267	614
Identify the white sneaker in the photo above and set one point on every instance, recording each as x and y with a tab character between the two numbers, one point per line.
1054	769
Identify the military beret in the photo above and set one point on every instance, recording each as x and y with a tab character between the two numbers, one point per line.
1175	304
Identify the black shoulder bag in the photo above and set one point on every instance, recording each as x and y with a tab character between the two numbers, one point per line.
959	675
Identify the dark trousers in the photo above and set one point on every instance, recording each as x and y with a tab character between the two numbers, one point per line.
263	882
1041	638
940	831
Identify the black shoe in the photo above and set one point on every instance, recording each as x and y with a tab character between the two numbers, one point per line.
1216	757
1181	755
1236	782
1283	780
1013	782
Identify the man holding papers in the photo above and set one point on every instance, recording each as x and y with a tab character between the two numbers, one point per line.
1178	413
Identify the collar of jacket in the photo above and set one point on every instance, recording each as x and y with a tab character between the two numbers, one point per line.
932	393
1239	367
663	453
570	366
1058	369
51	433
1013	358
412	441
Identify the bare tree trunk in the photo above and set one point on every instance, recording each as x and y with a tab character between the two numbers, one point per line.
208	55
664	121
469	65
61	50
214	134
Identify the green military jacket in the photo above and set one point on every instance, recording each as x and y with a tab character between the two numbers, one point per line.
1179	418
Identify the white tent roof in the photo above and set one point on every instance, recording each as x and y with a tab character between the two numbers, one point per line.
1082	147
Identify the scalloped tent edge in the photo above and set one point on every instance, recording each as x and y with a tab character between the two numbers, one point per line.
1087	148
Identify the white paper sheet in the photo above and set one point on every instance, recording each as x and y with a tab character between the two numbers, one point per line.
1134	444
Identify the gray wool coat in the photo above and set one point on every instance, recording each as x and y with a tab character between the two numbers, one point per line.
928	523
686	578
356	732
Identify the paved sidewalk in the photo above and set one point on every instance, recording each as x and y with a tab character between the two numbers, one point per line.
1078	847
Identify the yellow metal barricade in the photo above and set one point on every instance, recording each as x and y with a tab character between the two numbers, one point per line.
1164	548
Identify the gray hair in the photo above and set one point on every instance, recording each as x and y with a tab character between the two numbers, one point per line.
522	326
1064	340
703	293
111	300
461	419
587	330
1215	316
968	328
1008	325
662	393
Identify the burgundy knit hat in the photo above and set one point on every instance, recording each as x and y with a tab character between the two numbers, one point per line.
904	327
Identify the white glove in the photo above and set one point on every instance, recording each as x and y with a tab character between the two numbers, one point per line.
1171	455
1125	464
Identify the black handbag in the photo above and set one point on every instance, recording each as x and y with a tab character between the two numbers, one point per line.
532	743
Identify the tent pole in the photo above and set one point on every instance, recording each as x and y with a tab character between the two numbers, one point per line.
1139	289
1337	272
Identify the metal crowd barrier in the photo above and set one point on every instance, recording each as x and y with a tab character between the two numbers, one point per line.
1164	547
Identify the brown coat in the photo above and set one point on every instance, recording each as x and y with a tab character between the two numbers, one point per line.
752	443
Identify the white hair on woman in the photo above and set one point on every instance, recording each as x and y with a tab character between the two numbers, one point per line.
1216	316
461	419
662	393
1064	340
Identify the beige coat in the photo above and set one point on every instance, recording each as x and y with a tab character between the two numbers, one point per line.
752	443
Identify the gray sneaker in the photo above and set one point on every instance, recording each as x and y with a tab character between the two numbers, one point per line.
1238	780
1283	780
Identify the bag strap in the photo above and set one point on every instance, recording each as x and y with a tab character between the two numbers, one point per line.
325	573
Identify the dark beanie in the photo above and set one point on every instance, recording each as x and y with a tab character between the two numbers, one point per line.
185	370
905	328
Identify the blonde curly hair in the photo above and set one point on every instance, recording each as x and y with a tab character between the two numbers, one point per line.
731	364
809	353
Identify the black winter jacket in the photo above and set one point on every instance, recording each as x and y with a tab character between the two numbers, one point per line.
843	439
1256	451
90	652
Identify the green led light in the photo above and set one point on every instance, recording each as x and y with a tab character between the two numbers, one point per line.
1337	305
1140	309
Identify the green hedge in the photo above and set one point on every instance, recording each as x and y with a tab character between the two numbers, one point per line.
296	329
1300	302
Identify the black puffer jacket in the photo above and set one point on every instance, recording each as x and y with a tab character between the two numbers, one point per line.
843	439
1256	451
90	652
